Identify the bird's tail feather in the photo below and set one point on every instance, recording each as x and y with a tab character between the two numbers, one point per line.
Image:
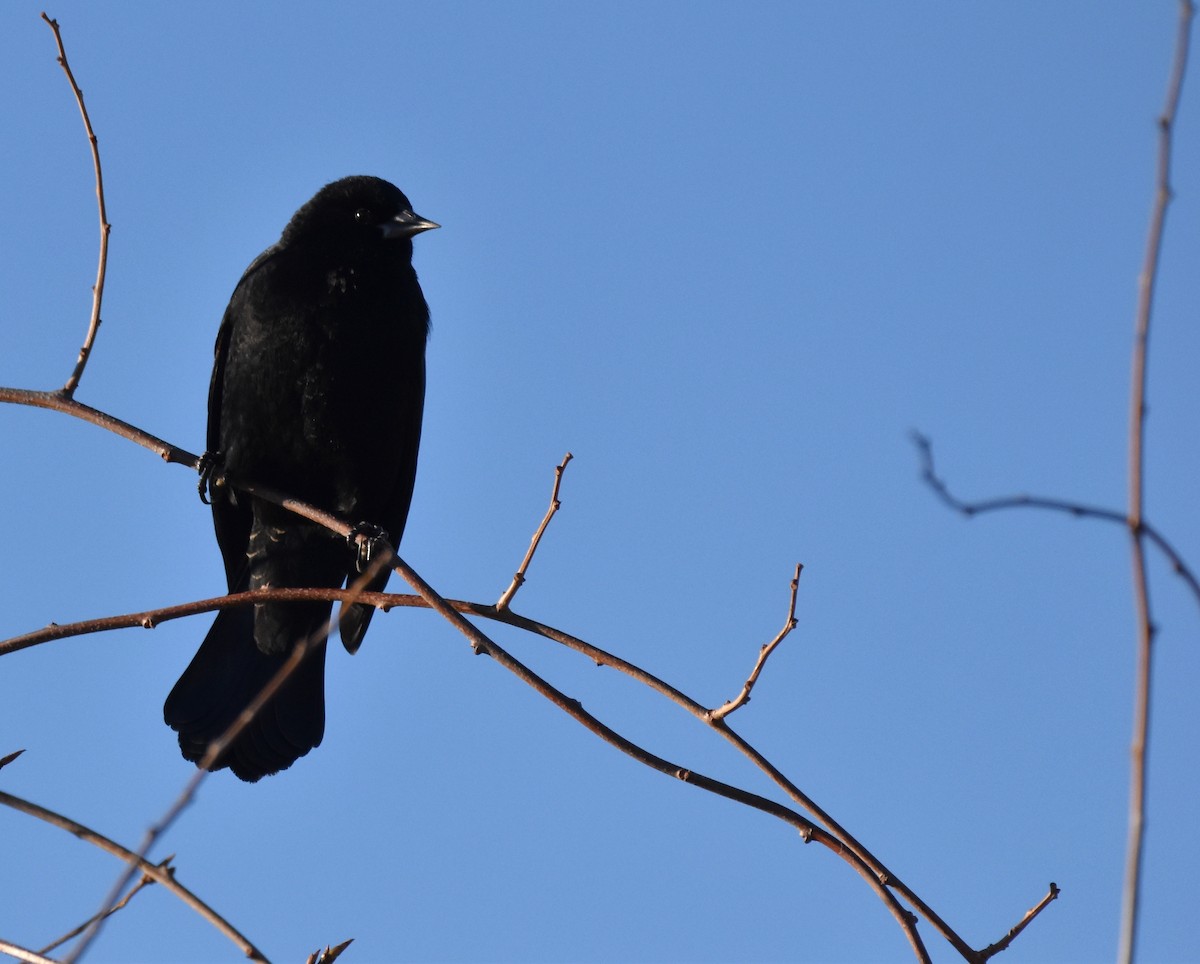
227	672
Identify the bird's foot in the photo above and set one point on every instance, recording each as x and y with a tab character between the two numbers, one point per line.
211	464
366	547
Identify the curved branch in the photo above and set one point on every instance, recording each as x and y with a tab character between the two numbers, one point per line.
160	875
1077	509
105	228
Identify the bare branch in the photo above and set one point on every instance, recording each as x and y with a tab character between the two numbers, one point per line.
604	658
146	881
105	228
519	577
1001	945
1137	423
160	875
763	655
58	402
1077	509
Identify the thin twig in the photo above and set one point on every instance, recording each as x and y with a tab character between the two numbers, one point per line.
1077	509
161	875
1001	945
763	655
1137	423
146	881
519	577
105	228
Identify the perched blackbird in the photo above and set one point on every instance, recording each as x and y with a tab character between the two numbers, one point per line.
317	391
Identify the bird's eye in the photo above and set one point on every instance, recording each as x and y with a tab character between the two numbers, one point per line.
362	215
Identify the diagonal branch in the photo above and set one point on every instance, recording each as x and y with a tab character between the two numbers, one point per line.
139	886
1002	945
159	874
519	577
105	228
763	655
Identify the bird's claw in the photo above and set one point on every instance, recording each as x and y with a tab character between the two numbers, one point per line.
366	548
210	464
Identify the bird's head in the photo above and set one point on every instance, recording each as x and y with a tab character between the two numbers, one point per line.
357	217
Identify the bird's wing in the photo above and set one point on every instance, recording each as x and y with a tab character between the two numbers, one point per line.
232	519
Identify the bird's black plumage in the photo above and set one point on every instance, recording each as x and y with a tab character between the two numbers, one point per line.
317	391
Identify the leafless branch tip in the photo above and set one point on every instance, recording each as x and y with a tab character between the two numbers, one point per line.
763	655
519	577
1001	945
89	340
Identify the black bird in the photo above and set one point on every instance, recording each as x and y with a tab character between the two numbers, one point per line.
317	391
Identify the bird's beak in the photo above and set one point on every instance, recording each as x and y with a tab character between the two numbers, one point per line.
405	225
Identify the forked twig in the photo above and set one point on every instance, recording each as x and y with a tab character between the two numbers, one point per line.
105	228
763	655
519	577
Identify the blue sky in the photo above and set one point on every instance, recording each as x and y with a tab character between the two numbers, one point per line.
728	256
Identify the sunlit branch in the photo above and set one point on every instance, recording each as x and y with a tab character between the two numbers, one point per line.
105	228
993	949
1137	424
763	655
519	577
